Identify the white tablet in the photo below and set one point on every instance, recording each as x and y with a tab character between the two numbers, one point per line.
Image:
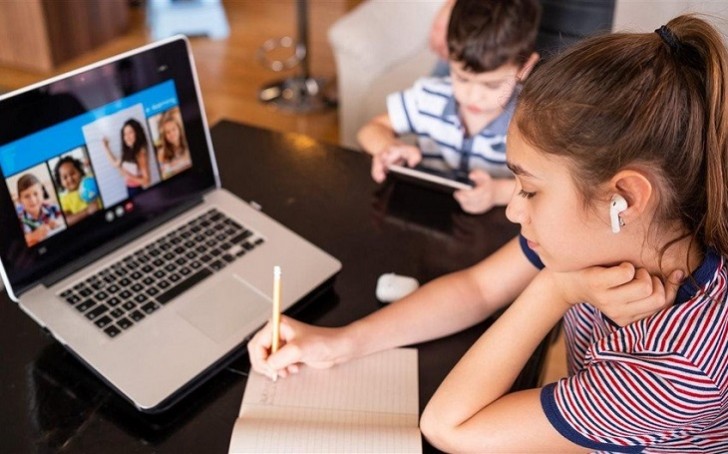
440	180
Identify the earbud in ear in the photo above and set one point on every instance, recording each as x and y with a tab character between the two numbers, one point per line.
617	205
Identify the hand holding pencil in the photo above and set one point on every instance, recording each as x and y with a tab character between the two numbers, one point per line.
293	343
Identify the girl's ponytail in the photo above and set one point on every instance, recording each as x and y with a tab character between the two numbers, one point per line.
707	42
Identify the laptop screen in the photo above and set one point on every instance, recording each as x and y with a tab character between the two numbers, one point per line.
89	157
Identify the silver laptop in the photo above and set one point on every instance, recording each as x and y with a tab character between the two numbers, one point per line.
117	237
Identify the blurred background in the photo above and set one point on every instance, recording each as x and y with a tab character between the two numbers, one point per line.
41	38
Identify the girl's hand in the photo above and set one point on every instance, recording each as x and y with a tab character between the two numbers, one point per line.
397	153
92	207
622	293
300	344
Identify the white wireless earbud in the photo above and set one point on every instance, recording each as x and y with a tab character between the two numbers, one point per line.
617	205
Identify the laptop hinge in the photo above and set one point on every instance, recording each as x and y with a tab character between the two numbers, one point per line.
116	243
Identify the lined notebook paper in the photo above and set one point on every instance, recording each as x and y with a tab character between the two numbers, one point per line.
366	405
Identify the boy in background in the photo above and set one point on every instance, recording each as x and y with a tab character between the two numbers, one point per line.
460	122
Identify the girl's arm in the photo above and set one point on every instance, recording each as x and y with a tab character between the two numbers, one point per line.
91	208
74	218
160	155
142	158
442	307
471	410
114	161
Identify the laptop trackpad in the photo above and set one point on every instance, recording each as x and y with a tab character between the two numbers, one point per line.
224	309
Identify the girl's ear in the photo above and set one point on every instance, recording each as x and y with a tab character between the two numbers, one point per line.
527	67
637	189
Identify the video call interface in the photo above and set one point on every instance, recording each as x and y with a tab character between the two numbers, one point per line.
95	164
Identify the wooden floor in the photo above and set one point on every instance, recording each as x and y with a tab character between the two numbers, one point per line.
229	73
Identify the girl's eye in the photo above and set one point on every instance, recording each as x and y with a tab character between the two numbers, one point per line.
526	195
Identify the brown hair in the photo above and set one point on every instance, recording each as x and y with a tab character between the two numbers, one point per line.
653	101
168	149
27	181
487	34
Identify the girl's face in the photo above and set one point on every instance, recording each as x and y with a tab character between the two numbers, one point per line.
70	176
483	94
129	136
559	228
32	199
171	133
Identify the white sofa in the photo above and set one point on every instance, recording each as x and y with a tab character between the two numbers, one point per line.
381	46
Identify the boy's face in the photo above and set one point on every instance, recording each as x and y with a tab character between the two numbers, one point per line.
32	198
483	94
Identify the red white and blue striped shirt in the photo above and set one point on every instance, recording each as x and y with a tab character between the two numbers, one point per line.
659	385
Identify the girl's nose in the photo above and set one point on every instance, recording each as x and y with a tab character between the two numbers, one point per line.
515	210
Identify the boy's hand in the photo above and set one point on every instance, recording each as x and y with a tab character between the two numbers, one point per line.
398	153
487	192
622	293
479	199
39	234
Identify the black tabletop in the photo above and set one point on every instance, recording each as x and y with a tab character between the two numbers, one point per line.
51	403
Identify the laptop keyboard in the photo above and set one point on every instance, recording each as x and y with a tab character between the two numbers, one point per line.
125	293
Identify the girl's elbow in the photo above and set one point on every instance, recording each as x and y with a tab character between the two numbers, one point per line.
438	434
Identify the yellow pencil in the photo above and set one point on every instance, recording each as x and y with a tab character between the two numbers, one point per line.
276	320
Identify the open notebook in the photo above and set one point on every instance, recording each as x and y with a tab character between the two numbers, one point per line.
367	405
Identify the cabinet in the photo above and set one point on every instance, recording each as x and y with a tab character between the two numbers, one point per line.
40	34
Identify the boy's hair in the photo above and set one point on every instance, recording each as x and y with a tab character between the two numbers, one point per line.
64	160
652	101
487	34
29	180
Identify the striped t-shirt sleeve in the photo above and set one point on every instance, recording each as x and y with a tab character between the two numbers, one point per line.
632	402
402	109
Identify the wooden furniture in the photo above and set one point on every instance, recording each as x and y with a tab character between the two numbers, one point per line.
40	34
52	403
